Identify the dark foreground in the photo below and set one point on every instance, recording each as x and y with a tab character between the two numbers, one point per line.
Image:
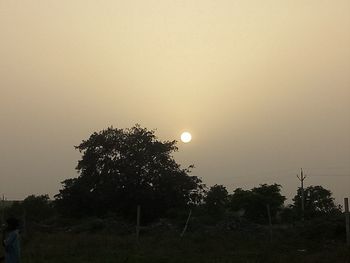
155	246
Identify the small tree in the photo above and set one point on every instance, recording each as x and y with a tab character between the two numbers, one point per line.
35	208
254	201
318	201
38	207
288	214
216	200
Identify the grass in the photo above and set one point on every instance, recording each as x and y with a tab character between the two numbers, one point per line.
104	241
167	246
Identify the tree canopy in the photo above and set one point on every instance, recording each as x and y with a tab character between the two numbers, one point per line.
318	201
34	208
123	168
254	201
216	200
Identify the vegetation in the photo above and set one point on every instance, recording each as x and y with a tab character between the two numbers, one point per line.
253	202
212	247
34	208
216	200
318	201
120	169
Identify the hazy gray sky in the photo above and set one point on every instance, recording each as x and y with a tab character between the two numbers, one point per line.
264	87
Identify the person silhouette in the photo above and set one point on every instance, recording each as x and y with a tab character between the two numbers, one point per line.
11	242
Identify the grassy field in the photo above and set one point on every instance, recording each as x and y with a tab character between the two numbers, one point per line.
167	246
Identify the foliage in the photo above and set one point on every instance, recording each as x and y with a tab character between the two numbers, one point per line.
318	201
160	247
216	200
254	202
37	207
123	168
326	228
34	208
288	214
14	210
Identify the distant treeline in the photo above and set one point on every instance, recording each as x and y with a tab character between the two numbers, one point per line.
123	168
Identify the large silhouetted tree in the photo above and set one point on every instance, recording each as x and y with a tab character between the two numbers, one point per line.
123	168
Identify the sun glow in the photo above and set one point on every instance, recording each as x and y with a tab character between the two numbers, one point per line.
186	137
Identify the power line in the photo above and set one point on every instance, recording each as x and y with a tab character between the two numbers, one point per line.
337	175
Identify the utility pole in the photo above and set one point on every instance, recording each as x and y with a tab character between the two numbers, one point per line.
347	221
301	179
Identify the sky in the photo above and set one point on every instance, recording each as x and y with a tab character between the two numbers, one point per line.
263	86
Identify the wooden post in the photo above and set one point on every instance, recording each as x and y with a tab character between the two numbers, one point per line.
138	215
187	221
347	220
270	221
2	226
24	223
2	211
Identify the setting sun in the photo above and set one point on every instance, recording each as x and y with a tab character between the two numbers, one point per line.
186	137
